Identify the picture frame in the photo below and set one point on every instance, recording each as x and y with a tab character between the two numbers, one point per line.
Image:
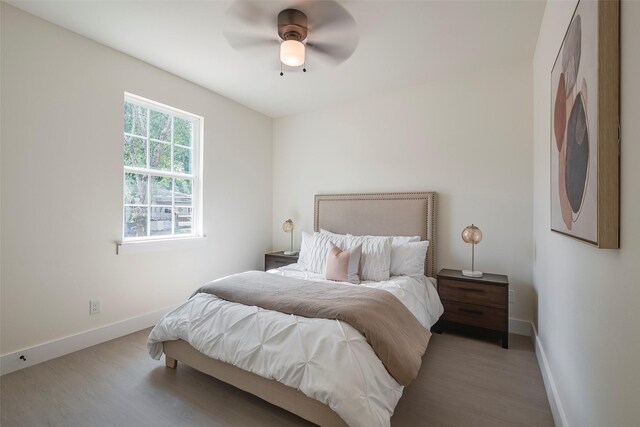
585	131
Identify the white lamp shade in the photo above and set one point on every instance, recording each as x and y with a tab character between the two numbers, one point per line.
292	53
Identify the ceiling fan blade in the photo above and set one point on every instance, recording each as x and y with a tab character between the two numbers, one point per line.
334	53
328	16
251	13
242	41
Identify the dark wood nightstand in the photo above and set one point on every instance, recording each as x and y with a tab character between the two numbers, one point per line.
480	302
278	259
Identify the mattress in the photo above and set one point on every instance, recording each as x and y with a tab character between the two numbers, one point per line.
327	360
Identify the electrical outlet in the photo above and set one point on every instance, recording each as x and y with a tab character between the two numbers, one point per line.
512	297
94	307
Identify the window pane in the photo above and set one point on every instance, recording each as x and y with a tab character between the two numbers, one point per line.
160	126
181	160
182	131
183	220
160	221
183	192
135	151
135	221
158	143
135	189
159	156
160	191
135	119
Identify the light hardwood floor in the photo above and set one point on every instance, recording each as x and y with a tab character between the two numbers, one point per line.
462	382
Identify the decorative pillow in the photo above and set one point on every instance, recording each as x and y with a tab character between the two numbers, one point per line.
342	265
408	259
316	254
376	256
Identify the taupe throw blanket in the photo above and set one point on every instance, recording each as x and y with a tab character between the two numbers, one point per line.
390	328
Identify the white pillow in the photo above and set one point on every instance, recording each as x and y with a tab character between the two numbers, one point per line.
408	259
305	247
396	241
338	237
316	249
376	256
401	240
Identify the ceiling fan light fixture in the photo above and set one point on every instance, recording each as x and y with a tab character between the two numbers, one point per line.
292	53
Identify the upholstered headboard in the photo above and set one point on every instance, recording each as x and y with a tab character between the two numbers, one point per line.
381	214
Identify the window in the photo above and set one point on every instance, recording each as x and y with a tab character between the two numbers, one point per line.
162	170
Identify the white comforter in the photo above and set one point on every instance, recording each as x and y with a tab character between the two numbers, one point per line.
327	360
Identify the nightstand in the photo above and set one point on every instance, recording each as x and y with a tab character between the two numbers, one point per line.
479	302
278	259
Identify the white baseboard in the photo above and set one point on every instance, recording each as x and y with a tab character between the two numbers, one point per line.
41	353
519	327
559	417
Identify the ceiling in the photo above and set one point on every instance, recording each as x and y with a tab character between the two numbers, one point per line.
399	43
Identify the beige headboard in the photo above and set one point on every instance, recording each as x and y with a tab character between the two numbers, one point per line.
381	214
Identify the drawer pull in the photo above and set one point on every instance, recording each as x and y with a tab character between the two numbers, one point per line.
466	310
473	290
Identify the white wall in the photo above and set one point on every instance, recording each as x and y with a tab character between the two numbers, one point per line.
588	298
62	101
467	137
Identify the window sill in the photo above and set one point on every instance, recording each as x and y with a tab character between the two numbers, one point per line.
159	245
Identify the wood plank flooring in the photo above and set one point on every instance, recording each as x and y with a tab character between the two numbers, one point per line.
462	382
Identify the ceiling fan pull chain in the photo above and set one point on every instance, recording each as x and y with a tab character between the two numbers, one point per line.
281	73
304	65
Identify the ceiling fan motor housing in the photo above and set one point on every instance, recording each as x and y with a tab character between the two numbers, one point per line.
292	25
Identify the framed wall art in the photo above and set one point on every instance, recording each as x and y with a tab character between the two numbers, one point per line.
585	111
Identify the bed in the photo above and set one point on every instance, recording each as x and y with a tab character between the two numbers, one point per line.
269	368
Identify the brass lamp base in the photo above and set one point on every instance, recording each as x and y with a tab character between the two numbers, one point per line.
472	273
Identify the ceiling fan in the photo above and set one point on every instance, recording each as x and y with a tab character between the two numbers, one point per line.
290	37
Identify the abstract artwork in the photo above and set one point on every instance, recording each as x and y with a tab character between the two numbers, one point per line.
584	127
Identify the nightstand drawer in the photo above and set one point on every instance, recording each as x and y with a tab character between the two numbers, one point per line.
474	315
473	293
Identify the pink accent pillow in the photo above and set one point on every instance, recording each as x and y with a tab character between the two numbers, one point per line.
342	266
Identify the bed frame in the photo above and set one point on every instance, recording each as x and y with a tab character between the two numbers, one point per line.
381	214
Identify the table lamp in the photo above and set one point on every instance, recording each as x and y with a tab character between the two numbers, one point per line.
472	234
288	227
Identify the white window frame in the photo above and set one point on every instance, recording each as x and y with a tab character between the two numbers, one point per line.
195	176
